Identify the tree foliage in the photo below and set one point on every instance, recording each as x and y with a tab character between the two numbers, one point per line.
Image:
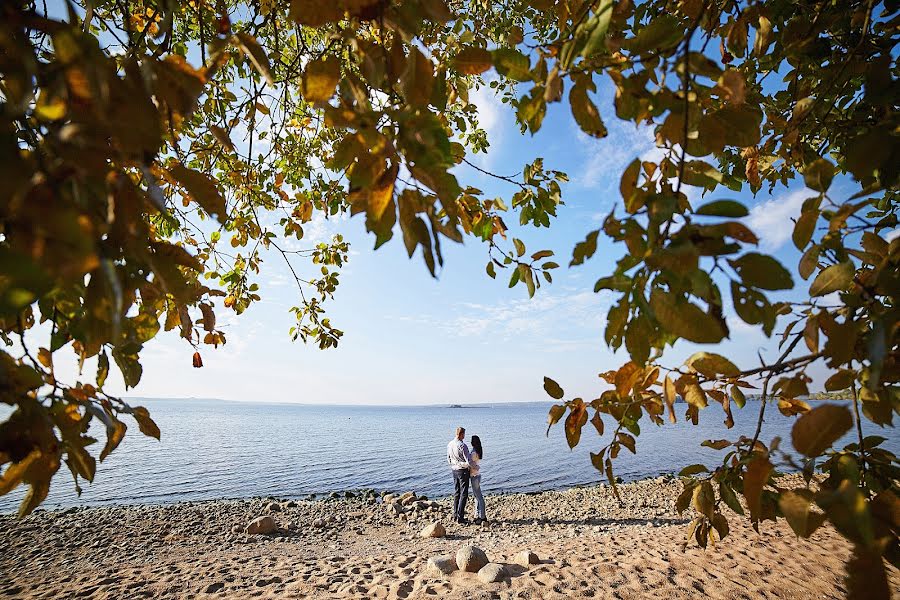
154	152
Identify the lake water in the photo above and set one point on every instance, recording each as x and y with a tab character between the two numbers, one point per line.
215	449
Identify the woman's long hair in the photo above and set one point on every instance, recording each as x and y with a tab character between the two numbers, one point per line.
476	446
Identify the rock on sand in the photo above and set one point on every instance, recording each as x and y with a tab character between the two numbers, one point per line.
492	573
526	558
261	525
433	530
471	559
441	565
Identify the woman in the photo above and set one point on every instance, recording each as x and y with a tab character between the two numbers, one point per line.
475	478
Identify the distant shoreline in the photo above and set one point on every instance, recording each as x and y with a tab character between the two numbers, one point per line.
816	396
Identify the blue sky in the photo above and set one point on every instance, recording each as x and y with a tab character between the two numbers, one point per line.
464	338
460	338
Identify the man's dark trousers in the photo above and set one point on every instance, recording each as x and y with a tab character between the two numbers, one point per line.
460	493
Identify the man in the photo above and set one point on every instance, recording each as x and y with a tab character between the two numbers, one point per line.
458	457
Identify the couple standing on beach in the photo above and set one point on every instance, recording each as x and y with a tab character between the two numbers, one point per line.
466	468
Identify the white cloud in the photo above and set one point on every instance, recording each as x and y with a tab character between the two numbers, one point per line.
606	158
546	319
892	235
771	220
490	118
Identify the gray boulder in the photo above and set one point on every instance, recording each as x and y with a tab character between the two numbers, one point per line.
471	559
492	573
438	566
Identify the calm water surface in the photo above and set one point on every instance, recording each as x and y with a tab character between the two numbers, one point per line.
215	449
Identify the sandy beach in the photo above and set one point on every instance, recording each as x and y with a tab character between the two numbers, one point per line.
585	543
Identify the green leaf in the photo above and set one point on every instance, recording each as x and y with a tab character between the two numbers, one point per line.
597	25
520	247
805	227
684	498
723	208
840	380
762	271
129	366
738	396
514	278
585	112
512	64
684	319
833	279
815	431
102	369
729	498
662	33
693	470
492	273
818	175
552	388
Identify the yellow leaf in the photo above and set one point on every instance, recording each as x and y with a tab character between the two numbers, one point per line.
221	136
669	393
320	79
473	61
794	504
417	78
202	189
704	499
147	425
382	193
249	46
755	478
115	431
711	365
684	319
818	429
45	357
791	407
734	86
833	279
691	391
50	108
575	421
